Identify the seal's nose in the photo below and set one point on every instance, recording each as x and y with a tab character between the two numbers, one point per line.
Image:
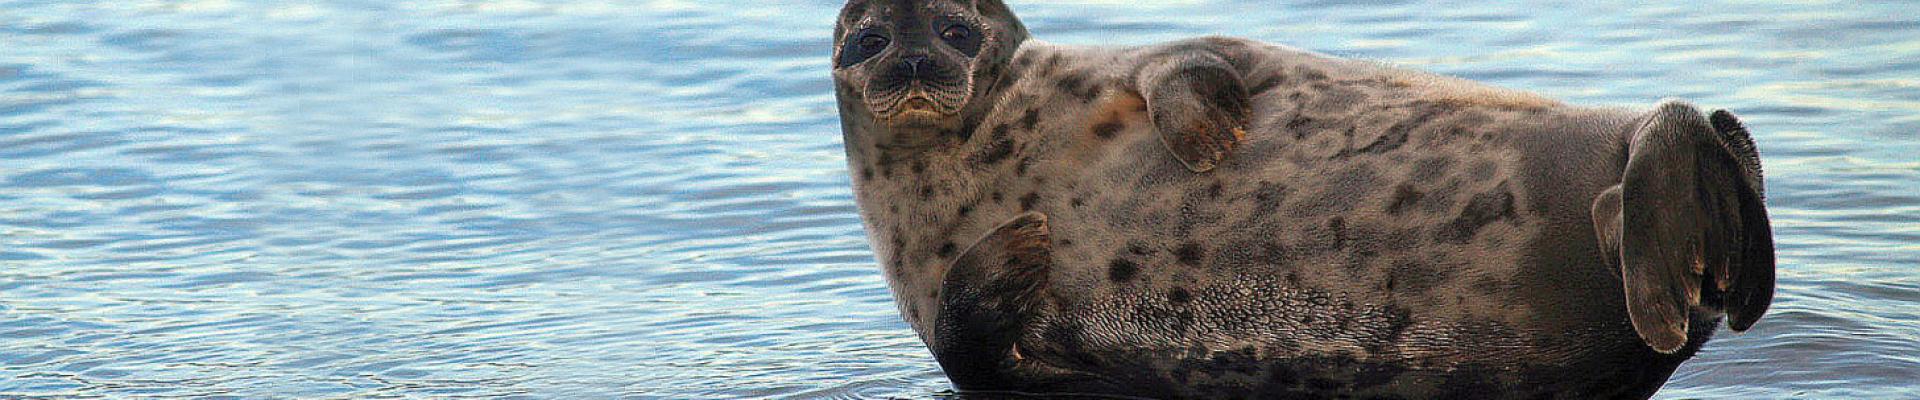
915	66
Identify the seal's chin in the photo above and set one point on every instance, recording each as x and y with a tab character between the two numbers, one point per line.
917	111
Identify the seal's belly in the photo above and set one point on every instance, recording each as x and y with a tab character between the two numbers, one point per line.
1405	236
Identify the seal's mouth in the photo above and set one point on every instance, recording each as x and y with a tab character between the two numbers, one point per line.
916	102
916	107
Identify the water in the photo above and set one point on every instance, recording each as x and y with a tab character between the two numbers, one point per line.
648	198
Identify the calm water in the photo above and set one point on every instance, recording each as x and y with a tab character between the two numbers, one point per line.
648	198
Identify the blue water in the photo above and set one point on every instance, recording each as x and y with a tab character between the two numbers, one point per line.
648	198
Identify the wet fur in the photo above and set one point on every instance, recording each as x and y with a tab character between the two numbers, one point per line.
1379	232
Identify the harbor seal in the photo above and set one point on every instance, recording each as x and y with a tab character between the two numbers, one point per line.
1219	217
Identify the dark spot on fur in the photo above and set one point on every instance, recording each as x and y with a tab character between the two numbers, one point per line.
1077	202
866	173
1483	209
1298	123
1021	168
1030	119
1121	270
1398	134
919	166
964	210
1267	198
926	192
1398	320
1027	202
998	148
1213	191
1303	126
1337	226
1179	296
946	250
1006	78
898	259
1072	84
1021	62
1267	84
1431	168
1189	253
1404	197
1066	242
997	198
1106	130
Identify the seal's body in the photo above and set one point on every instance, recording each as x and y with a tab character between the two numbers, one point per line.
1219	217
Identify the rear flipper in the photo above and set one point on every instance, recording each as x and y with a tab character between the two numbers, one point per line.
1688	224
991	293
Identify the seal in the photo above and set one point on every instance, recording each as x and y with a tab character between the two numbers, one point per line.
1219	217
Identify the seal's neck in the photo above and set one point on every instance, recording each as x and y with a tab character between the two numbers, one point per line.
924	203
898	190
914	201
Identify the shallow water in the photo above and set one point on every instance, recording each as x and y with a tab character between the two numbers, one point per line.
648	198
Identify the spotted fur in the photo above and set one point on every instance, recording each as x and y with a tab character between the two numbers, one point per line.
1377	232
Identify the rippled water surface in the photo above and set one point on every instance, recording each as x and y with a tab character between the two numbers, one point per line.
648	198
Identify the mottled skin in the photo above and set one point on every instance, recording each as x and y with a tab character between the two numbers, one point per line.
1370	233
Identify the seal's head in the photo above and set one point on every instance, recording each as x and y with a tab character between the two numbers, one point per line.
919	66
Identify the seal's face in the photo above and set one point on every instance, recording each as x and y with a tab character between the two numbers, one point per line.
917	65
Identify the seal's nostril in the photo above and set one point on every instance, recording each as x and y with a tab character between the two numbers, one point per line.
915	65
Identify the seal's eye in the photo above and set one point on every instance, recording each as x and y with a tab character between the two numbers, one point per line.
864	45
873	43
961	36
956	32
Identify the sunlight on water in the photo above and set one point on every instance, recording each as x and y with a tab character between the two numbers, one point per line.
648	198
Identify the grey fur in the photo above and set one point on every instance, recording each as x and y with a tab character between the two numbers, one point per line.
1377	232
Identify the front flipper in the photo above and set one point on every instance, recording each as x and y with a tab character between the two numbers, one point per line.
990	294
1198	103
1689	207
